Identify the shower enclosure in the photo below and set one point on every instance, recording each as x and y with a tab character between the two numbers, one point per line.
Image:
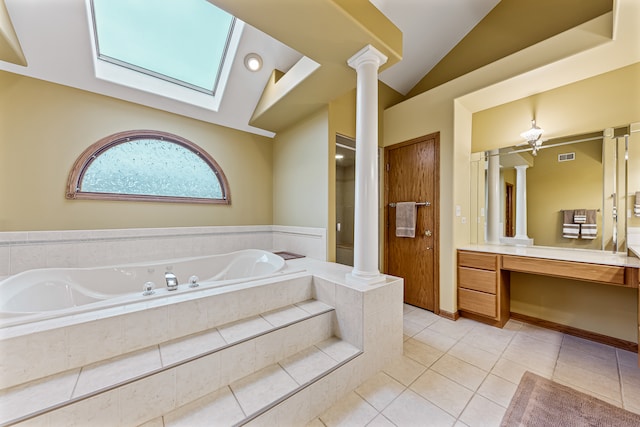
345	198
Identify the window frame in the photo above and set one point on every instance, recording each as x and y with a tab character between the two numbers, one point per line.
225	60
85	159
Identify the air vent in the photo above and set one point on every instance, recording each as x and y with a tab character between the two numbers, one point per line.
566	157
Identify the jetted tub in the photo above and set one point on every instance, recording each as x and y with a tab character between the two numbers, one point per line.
53	290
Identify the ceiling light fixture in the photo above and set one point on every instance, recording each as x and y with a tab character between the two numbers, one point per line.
339	156
253	62
532	136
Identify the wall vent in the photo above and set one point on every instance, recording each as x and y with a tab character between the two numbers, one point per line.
566	157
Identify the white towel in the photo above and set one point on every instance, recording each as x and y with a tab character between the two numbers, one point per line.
406	219
589	230
580	216
569	229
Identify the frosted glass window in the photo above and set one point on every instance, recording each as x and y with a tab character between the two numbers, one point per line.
147	165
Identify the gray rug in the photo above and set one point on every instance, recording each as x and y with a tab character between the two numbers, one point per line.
541	402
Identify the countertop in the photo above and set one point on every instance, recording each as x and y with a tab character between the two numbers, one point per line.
562	254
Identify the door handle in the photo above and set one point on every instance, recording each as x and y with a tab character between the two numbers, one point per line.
428	233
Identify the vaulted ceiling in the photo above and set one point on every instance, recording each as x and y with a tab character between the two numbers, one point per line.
305	46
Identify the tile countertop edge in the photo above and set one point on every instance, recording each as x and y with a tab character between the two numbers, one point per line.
562	254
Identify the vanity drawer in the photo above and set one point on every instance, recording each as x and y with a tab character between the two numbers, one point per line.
477	302
478	260
612	275
478	280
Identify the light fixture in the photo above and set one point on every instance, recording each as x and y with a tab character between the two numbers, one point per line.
339	156
532	136
253	62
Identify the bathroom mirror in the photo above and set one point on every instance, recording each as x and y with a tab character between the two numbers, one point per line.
597	172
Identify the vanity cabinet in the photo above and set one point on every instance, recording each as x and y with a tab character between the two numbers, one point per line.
483	287
483	283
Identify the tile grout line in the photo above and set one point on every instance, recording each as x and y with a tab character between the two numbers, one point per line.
555	365
233	393
475	392
620	386
483	381
408	387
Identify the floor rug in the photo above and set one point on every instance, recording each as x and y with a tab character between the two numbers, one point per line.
541	402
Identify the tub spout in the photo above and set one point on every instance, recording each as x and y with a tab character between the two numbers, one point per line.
172	281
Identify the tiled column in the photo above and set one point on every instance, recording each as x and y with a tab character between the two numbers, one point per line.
493	189
365	247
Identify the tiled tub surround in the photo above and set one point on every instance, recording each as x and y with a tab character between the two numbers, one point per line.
26	250
53	292
301	343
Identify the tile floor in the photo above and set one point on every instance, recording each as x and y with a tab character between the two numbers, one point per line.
465	373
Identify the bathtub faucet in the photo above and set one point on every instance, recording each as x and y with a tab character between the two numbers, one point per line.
172	281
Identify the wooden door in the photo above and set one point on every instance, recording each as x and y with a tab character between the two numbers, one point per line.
412	174
508	214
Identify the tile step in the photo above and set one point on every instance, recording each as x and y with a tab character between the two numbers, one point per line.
223	345
39	349
245	400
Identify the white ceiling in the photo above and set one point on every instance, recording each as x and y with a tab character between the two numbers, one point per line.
56	39
430	29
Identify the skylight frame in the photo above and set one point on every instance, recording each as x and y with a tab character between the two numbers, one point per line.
225	60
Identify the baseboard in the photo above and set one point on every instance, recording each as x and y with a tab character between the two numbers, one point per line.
448	315
483	319
576	332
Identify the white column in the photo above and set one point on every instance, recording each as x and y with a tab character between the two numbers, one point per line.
521	202
493	189
365	246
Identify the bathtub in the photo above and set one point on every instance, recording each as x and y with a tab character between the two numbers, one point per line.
49	292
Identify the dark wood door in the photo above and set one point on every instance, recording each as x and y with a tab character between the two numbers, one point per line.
411	175
508	214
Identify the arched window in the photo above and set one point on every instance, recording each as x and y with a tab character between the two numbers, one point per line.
147	165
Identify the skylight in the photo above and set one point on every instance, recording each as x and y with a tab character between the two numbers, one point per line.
184	42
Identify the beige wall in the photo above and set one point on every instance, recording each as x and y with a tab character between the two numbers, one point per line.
590	105
554	186
572	108
300	173
604	309
46	126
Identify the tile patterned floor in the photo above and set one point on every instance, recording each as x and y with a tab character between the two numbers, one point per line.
465	373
